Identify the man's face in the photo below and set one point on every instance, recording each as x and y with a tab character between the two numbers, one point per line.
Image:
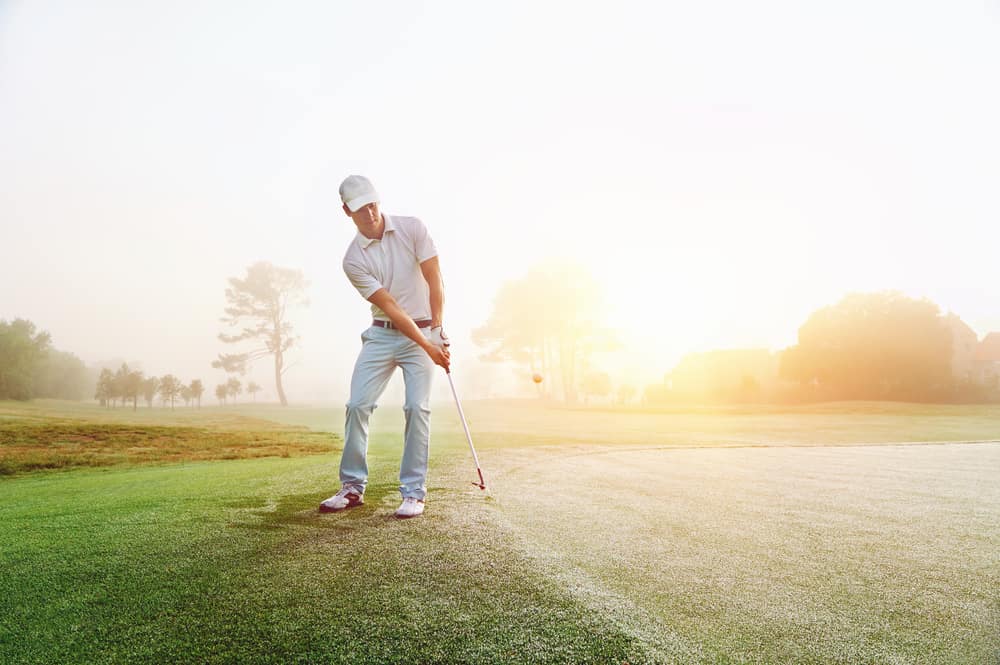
366	218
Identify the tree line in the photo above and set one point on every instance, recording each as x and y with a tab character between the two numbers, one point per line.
873	346
868	346
31	367
882	346
128	386
258	306
233	387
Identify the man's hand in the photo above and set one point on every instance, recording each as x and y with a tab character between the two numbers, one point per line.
440	355
438	337
439	340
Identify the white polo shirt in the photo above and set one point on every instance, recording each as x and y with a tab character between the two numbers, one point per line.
393	264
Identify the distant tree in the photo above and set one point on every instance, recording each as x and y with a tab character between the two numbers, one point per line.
749	389
127	385
22	350
221	392
186	395
873	346
724	375
625	393
150	387
61	375
30	367
133	387
197	389
260	303
596	384
234	388
656	394
252	390
170	389
105	387
549	319
117	388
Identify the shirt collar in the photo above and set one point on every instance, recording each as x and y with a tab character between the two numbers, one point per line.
389	226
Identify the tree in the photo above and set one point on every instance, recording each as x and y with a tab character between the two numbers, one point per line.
186	395
22	350
133	387
625	393
725	375
105	387
61	375
656	393
881	345
128	385
170	389
233	388
150	387
260	303
253	389
30	367
117	388
548	319
597	384
197	389
221	392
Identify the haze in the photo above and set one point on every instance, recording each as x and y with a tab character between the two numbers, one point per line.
722	169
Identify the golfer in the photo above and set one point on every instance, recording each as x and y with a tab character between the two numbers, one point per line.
393	264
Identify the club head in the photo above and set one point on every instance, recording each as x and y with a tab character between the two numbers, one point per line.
481	486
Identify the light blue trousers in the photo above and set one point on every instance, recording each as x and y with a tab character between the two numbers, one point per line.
382	351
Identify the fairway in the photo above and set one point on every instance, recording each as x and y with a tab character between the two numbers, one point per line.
769	536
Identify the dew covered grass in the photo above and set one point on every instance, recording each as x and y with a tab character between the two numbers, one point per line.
679	537
862	554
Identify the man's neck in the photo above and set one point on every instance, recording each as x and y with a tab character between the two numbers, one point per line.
379	230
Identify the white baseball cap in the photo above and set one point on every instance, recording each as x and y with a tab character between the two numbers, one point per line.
357	191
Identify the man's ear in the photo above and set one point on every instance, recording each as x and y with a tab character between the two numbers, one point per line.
347	211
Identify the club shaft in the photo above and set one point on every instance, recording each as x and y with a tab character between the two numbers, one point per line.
465	426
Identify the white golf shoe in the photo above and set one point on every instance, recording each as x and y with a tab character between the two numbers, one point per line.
345	498
411	507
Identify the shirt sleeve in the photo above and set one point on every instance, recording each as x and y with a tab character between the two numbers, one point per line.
423	244
363	281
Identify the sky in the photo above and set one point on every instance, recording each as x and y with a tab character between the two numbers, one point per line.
722	168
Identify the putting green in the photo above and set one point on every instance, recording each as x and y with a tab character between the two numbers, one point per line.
805	554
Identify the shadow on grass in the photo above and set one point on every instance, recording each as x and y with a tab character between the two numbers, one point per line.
302	510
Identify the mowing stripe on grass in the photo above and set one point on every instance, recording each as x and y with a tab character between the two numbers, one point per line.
229	561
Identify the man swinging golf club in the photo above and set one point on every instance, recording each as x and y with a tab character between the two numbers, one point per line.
393	264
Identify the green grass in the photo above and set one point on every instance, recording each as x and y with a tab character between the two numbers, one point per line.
768	536
230	562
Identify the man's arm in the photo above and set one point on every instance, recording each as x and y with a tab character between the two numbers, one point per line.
402	321
432	273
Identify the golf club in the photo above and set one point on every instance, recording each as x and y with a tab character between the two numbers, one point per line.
482	483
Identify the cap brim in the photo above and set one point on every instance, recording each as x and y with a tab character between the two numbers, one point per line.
356	204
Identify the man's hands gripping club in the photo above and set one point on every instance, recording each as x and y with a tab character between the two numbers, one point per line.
438	352
439	340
